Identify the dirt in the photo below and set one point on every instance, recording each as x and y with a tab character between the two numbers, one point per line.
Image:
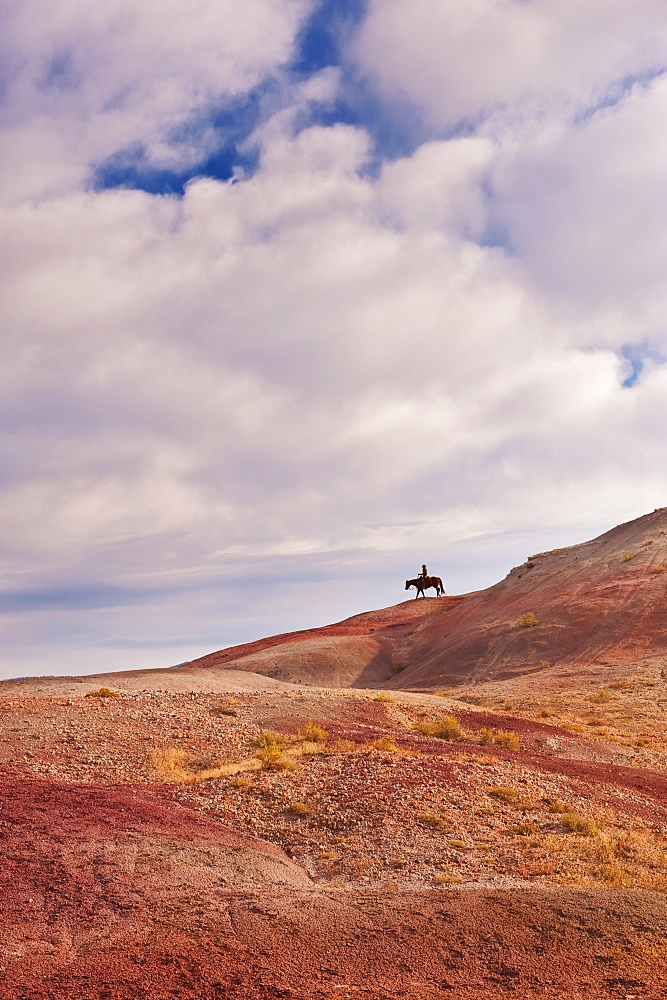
119	881
282	819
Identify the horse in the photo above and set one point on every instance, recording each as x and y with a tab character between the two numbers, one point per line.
423	583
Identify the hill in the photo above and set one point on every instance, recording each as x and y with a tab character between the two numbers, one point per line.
597	607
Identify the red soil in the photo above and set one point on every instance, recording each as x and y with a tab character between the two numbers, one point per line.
111	893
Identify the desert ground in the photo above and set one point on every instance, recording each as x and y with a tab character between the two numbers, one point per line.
463	796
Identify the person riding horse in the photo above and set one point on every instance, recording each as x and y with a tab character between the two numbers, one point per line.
424	582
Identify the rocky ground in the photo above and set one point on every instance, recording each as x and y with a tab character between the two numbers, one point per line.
312	843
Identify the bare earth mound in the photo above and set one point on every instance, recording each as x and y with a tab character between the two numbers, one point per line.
568	613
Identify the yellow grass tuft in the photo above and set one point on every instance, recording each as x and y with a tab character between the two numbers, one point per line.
385	744
341	746
431	819
500	738
180	765
102	693
273	759
504	793
528	619
300	809
314	733
447	728
269	739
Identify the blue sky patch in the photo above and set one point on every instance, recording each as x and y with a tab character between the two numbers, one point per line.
635	357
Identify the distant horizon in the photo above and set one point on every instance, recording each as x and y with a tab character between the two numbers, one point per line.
314	623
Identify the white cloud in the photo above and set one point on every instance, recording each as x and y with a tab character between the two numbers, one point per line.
83	81
580	205
274	389
466	61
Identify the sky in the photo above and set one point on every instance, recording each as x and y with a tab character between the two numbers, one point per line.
300	294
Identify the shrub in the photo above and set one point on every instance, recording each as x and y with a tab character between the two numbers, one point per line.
384	697
444	879
574	822
219	708
342	746
386	744
241	781
504	793
447	728
506	738
314	733
524	829
179	765
431	819
103	693
273	759
300	809
500	738
528	619
269	739
657	569
627	556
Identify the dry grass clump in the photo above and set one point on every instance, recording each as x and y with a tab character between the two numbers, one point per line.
102	693
500	738
601	697
314	733
431	819
524	829
384	697
179	765
528	619
504	793
273	759
447	728
271	740
385	744
299	809
574	822
658	569
241	781
341	746
627	556
220	708
609	854
444	879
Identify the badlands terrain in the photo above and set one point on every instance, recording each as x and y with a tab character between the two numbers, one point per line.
463	796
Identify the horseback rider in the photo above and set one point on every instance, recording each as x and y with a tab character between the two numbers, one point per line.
424	572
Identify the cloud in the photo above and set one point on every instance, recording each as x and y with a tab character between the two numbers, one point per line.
85	81
517	59
262	404
579	205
